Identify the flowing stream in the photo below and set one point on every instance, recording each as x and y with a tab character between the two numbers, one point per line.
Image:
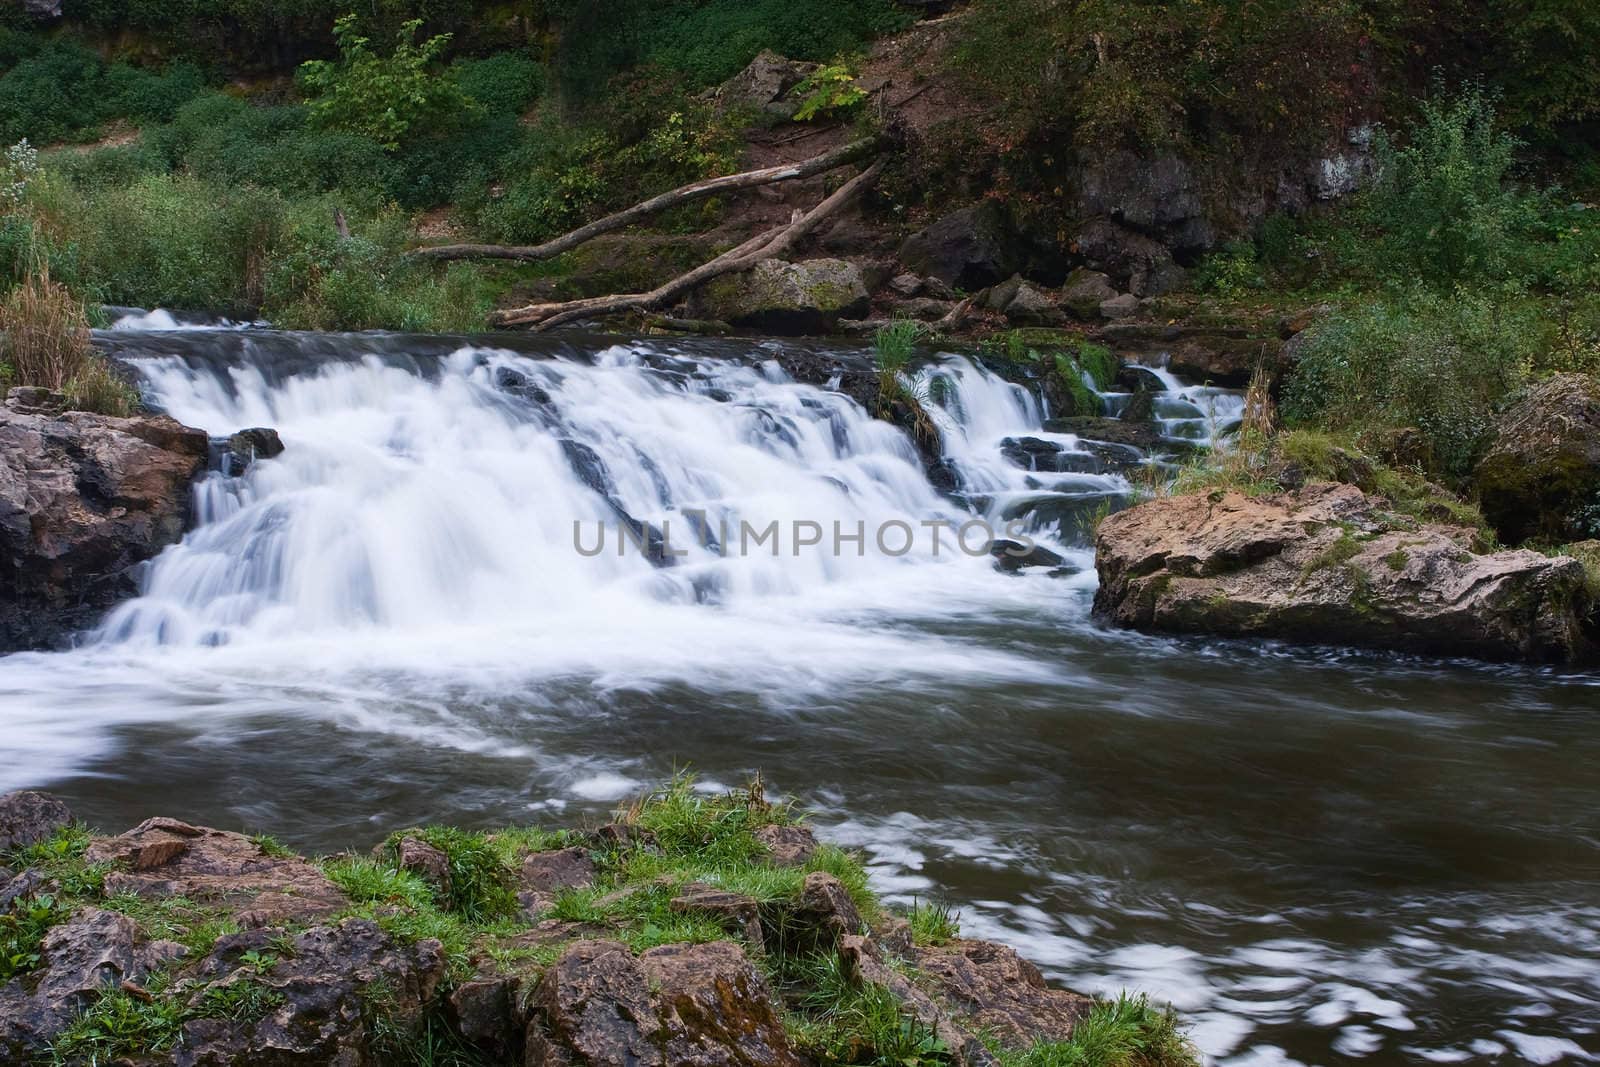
1319	857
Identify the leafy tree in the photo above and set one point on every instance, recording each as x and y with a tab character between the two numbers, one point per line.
385	98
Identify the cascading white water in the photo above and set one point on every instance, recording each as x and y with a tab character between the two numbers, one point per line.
409	503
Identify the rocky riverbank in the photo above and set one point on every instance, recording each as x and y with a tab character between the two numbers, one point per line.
695	929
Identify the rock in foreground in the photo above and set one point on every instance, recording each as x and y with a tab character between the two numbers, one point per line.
1541	477
694	932
1328	564
84	499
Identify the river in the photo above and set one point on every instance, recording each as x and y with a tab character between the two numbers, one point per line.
1319	857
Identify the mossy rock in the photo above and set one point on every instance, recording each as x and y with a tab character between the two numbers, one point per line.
786	298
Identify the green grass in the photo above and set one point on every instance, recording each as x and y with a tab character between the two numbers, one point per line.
1126	1032
119	1024
481	886
933	923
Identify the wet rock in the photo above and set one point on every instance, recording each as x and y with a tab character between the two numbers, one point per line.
825	913
1222	360
1123	306
486	1015
1141	407
789	299
863	961
91	951
905	285
331	990
996	991
967	249
84	499
27	817
241	450
1084	292
1326	564
674	1006
168	858
1135	262
1541	476
1030	453
734	912
787	846
1012	556
1145	436
765	84
544	874
426	862
923	309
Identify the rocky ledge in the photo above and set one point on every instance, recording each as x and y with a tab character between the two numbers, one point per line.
1330	564
694	931
84	499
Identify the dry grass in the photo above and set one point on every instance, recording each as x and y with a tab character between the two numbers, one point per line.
46	343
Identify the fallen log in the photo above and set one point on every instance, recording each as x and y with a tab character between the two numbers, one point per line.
769	245
637	213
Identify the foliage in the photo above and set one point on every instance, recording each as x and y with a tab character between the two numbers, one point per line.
933	923
1441	202
65	91
504	84
22	927
1437	363
1126	1032
385	98
120	1024
480	886
827	92
20	166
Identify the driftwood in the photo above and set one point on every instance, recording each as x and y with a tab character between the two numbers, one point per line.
769	245
684	194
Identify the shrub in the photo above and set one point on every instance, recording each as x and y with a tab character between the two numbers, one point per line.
1437	363
385	98
47	344
504	84
828	92
1442	203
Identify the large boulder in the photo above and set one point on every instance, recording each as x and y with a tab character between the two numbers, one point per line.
1158	196
1327	564
1541	477
1136	262
786	298
84	499
968	249
765	85
673	1006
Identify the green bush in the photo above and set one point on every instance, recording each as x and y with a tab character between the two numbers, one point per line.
385	98
1439	363
63	91
504	84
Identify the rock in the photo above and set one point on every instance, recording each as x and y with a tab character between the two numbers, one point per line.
1541	476
1085	290
544	874
84	499
1299	321
1225	361
922	308
1123	306
1013	556
824	912
426	862
863	962
1328	565
486	1015
1158	196
765	84
735	912
786	298
27	818
26	884
787	846
43	10
89	952
996	991
36	400
967	249
905	285
241	450
1030	307
1145	436
169	858
1136	263
328	1004
674	1006
1141	407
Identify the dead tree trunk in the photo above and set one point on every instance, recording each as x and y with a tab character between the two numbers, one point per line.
768	245
638	212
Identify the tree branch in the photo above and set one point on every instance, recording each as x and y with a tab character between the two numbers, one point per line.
638	212
768	245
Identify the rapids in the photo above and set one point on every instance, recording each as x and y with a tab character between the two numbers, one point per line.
1318	857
